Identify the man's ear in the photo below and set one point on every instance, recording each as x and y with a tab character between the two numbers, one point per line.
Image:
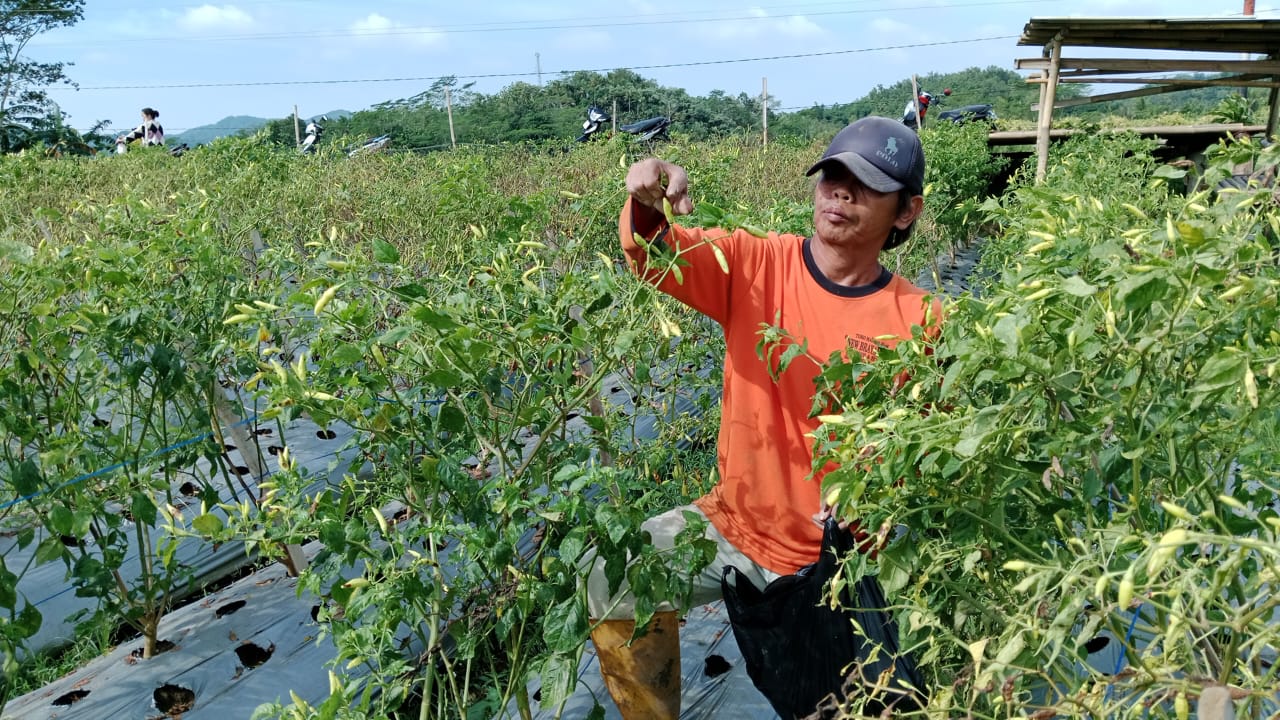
908	214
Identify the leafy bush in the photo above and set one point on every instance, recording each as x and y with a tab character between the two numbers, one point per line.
1089	448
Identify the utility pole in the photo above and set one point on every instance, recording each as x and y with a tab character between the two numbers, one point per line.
915	99
537	59
764	108
1244	91
448	107
297	133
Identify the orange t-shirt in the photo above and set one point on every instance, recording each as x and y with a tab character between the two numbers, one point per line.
765	500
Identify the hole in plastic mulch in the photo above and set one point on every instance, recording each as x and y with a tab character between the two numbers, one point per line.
229	608
717	666
173	700
251	656
326	434
162	646
1097	644
189	489
71	698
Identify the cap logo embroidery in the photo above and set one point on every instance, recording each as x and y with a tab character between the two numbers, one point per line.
890	151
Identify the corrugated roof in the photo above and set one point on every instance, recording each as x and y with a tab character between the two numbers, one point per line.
1226	35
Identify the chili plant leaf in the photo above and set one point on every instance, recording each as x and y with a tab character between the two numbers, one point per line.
385	252
559	677
143	509
1139	292
50	549
207	524
411	291
566	625
8	587
27	623
1075	285
26	478
61	520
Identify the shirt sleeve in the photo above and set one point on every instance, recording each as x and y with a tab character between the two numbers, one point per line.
707	262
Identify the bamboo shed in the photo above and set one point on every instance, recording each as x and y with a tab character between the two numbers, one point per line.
1247	36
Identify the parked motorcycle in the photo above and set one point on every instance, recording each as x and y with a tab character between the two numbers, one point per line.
653	128
314	131
372	145
122	147
648	129
968	113
595	122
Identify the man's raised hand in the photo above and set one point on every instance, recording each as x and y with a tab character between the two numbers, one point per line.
645	185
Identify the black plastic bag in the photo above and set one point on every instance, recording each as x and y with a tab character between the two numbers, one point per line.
798	650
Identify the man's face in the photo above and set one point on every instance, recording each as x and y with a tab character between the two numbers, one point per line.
847	213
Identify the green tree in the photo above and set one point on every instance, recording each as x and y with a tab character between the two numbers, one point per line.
23	99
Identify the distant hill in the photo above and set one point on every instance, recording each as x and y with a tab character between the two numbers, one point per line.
233	125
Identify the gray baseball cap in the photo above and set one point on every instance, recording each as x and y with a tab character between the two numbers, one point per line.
884	155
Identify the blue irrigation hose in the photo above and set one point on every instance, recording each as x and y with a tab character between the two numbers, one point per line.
111	468
1120	661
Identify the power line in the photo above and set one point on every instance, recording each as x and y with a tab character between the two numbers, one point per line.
793	9
514	26
561	72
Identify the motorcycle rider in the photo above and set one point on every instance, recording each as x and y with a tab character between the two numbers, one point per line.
313	132
150	131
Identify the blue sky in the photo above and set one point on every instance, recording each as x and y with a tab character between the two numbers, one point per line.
197	63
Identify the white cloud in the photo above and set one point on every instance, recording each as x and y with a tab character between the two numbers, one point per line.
643	8
764	25
886	27
798	26
581	43
372	25
376	28
214	17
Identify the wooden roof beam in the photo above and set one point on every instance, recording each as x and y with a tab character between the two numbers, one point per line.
1106	97
1132	65
1181	83
1187	44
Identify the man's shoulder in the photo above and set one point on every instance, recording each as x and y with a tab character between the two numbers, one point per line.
913	301
761	248
903	286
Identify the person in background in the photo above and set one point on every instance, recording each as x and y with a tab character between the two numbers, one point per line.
828	291
150	132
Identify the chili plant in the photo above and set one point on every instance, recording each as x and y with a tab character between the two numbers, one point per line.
110	382
1087	453
483	400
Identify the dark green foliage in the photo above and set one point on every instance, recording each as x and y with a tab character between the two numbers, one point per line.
1091	439
554	112
1006	90
26	112
1191	102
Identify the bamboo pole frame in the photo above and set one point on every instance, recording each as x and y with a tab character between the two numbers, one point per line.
1047	96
